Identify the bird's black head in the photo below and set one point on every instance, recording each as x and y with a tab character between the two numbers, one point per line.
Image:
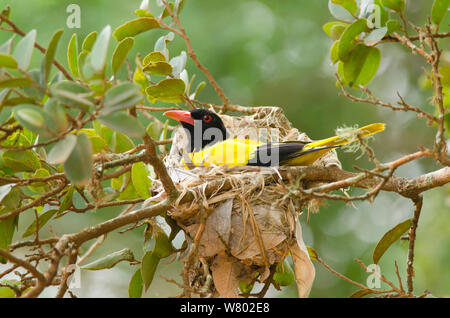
203	127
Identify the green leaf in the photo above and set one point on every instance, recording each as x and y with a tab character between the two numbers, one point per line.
393	26
123	123
142	13
24	50
7	227
334	53
62	150
30	117
165	12
6	48
347	41
7	61
163	135
155	128
121	142
25	160
312	254
179	5
362	65
73	94
136	285
55	119
169	90
163	246
78	166
141	180
42	220
361	293
158	68
100	50
88	70
375	36
396	5
439	10
110	260
40	187
98	143
334	29
148	268
198	89
124	186
246	287
284	274
350	5
121	52
135	27
140	78
50	54
89	41
339	12
72	55
15	82
67	200
154	57
5	291
389	238
4	190
121	96
13	199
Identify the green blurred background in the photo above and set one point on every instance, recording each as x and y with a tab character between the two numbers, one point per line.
275	53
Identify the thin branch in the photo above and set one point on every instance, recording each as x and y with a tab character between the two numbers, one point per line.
22	263
418	202
35	202
403	106
416	38
15	29
182	33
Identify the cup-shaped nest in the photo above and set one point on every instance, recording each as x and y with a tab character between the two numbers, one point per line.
241	221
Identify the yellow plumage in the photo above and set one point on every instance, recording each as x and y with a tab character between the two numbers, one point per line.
238	152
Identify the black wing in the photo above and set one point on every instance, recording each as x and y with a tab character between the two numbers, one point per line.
275	154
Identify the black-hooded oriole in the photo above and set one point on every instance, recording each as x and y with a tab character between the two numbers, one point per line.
209	143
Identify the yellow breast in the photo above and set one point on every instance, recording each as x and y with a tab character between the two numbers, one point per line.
230	152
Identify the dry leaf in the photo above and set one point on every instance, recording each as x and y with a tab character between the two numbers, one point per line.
244	244
225	272
303	267
217	230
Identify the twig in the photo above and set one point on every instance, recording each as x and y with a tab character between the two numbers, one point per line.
26	265
15	29
182	33
418	201
35	202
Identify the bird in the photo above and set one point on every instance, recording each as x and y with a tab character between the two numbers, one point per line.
209	143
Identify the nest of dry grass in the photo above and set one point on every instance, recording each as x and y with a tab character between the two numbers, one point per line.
240	234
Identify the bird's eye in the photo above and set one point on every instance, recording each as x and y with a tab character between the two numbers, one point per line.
207	118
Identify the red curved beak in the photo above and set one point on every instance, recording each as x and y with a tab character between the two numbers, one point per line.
181	116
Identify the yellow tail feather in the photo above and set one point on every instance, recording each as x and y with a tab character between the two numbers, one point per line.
348	136
345	136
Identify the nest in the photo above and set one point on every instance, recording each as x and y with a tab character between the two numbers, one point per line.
248	223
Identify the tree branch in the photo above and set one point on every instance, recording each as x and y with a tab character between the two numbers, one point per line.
15	29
